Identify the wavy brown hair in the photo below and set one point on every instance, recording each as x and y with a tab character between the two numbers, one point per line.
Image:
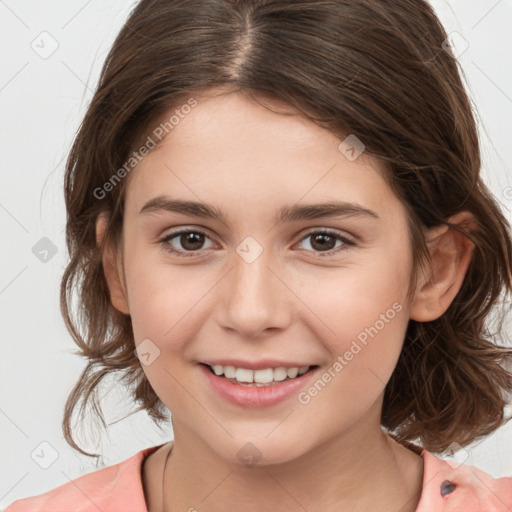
374	68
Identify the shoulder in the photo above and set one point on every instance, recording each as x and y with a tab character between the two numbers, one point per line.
448	486
116	488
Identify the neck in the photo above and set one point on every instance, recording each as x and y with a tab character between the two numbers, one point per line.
352	471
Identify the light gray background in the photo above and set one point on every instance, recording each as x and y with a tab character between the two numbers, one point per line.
42	101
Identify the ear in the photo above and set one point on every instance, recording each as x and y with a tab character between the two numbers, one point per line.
451	253
112	267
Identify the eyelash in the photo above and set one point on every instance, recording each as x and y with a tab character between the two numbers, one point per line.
347	244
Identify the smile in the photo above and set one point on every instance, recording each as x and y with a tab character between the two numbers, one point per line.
253	388
258	378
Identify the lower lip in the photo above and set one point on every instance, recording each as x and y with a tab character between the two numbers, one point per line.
253	396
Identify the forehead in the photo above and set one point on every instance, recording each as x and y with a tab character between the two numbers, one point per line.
229	150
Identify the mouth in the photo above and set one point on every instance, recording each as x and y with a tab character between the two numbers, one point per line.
263	377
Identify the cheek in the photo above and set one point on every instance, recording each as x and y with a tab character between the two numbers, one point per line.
366	310
163	298
164	305
363	356
167	312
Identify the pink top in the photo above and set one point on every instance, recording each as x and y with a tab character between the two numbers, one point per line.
118	488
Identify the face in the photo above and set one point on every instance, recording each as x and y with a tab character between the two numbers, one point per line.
253	289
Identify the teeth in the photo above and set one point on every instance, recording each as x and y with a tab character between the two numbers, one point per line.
229	372
280	374
259	377
243	375
292	372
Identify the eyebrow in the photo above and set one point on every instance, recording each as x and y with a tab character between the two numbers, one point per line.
162	204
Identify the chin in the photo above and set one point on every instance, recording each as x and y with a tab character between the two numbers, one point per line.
258	451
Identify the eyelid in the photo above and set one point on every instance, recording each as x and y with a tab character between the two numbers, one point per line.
164	240
347	241
330	231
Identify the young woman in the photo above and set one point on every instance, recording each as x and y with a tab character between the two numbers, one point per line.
278	232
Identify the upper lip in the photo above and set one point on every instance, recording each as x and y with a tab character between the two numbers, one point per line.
255	365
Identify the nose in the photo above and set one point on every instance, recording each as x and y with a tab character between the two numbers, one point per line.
255	299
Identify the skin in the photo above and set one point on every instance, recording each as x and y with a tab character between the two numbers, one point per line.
290	303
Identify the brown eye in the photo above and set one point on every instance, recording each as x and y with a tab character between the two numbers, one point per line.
187	241
325	242
191	241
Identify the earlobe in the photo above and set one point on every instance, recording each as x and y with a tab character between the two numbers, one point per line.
450	252
112	267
